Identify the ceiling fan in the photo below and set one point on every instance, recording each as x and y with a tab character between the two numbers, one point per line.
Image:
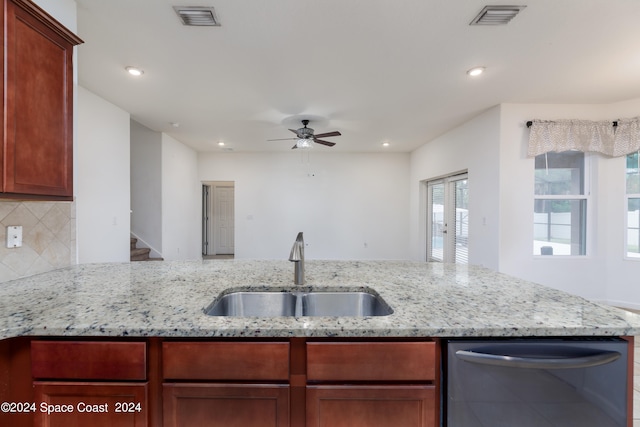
304	137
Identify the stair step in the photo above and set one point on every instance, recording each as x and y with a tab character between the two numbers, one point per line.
140	254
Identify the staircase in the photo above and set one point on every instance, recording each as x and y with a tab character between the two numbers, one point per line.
140	254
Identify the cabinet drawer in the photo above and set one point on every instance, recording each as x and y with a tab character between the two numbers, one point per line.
371	361
226	361
89	360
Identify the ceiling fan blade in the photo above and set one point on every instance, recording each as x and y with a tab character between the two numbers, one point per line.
325	135
282	139
294	131
294	147
327	143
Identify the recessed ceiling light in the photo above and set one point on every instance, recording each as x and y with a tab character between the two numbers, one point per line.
385	144
134	71
221	144
175	124
476	71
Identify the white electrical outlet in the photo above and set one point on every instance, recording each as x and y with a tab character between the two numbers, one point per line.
14	236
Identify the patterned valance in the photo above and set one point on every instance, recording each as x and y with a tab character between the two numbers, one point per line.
583	135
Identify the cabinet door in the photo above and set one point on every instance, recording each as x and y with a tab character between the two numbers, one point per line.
38	103
225	405
371	406
90	404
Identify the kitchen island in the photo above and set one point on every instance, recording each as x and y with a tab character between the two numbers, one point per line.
147	320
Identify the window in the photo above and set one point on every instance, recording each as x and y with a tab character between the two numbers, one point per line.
448	219
633	206
560	207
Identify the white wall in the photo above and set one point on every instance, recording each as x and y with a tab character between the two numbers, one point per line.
181	202
349	206
474	147
102	190
343	201
501	179
603	274
146	187
622	274
354	199
582	275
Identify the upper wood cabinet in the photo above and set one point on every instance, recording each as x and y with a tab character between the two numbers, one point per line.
37	132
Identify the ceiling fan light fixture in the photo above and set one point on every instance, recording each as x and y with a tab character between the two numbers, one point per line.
305	137
304	143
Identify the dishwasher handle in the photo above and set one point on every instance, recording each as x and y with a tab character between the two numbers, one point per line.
543	362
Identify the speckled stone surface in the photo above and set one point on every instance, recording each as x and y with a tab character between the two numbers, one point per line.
167	299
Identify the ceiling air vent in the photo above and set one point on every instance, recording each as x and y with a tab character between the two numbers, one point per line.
496	15
197	16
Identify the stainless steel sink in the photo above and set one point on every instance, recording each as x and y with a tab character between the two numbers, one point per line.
254	304
297	303
344	304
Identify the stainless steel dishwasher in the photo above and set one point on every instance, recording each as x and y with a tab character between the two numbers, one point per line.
536	383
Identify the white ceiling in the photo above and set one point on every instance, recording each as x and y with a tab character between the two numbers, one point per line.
376	70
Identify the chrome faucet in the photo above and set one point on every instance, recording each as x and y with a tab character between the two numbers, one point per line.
297	256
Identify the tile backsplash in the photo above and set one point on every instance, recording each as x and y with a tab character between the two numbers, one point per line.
48	237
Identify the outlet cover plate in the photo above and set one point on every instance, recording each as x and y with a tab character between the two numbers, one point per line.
14	236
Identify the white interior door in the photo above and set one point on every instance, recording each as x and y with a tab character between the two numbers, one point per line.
448	219
223	219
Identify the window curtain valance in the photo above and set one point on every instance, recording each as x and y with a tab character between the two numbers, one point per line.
583	135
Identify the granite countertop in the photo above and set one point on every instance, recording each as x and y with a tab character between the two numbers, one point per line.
167	299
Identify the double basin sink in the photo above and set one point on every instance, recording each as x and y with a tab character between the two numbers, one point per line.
299	303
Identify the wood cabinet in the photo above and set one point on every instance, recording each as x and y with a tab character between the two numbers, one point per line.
225	405
372	384
371	406
217	400
371	361
222	361
154	382
96	404
37	132
96	383
89	360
